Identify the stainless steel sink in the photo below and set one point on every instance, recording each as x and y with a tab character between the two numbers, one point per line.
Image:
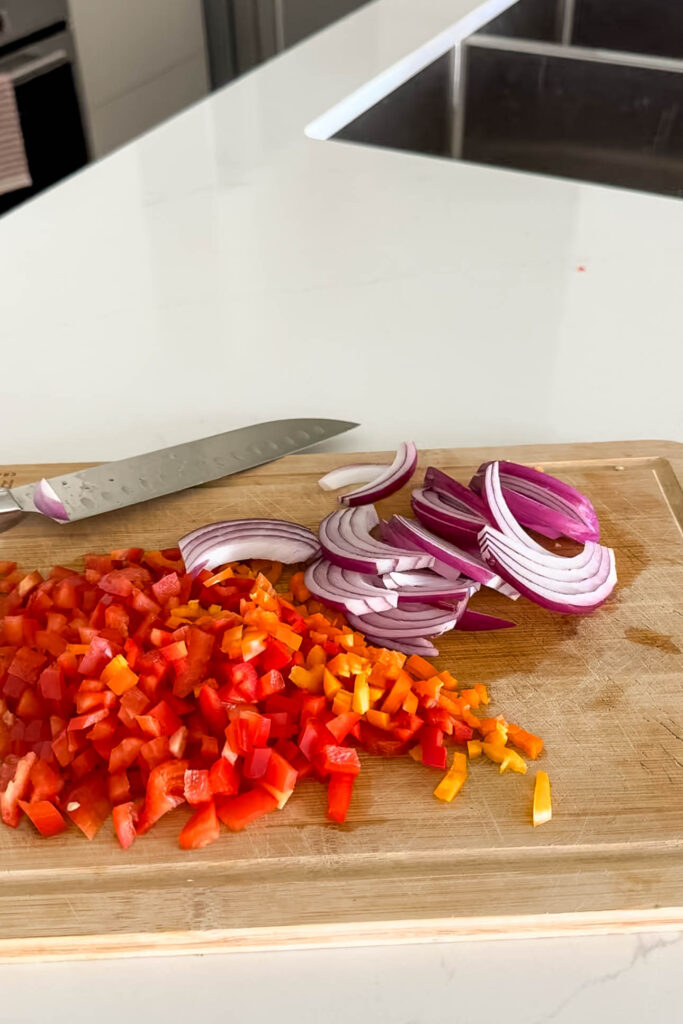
588	89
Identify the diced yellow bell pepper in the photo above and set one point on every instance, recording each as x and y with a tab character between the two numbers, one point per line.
310	679
316	656
342	702
331	685
542	806
473	748
361	694
380	719
505	757
453	780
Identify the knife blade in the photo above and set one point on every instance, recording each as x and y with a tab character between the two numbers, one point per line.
114	485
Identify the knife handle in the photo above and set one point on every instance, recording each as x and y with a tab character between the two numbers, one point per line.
10	512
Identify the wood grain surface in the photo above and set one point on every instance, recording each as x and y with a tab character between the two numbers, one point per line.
605	691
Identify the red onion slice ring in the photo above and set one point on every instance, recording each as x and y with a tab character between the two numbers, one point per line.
409	532
387	481
527	490
274	539
353	473
346	540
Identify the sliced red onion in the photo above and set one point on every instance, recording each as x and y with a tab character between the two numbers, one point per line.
354	473
274	539
439	513
417	620
346	590
389	479
462	496
473	622
578	596
499	511
427	586
46	501
346	540
408	532
574	516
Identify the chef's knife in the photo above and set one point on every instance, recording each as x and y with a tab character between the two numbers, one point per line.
113	485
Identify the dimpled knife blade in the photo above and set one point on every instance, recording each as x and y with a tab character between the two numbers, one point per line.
89	492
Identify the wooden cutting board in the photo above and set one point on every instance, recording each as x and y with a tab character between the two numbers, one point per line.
605	691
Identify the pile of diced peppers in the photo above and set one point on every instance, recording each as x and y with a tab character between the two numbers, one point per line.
132	687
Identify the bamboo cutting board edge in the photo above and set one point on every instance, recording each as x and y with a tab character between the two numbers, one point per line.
666	460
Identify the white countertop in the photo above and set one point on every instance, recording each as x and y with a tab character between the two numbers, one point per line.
227	268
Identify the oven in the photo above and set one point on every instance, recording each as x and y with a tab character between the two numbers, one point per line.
36	51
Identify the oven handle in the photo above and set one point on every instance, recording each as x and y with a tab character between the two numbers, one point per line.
34	68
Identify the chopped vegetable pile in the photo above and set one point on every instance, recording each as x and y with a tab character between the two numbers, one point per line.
133	687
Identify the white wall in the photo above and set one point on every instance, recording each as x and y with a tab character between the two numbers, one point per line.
140	62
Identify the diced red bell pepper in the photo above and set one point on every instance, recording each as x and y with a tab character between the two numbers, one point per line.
269	683
252	730
118	788
224	778
84	763
201	829
244	677
256	762
30	705
125	817
99	653
339	760
127	751
276	655
433	750
17	789
50	643
199	650
239	811
314	736
342	724
178	741
213	709
51	683
167	586
155	752
26	664
280	778
462	733
165	790
339	792
87	804
87	721
197	786
46	783
44	816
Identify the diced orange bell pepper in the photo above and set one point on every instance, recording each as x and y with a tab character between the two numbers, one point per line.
449	682
419	668
542	805
118	675
483	693
399	691
473	748
299	589
219	577
410	704
526	741
472	697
